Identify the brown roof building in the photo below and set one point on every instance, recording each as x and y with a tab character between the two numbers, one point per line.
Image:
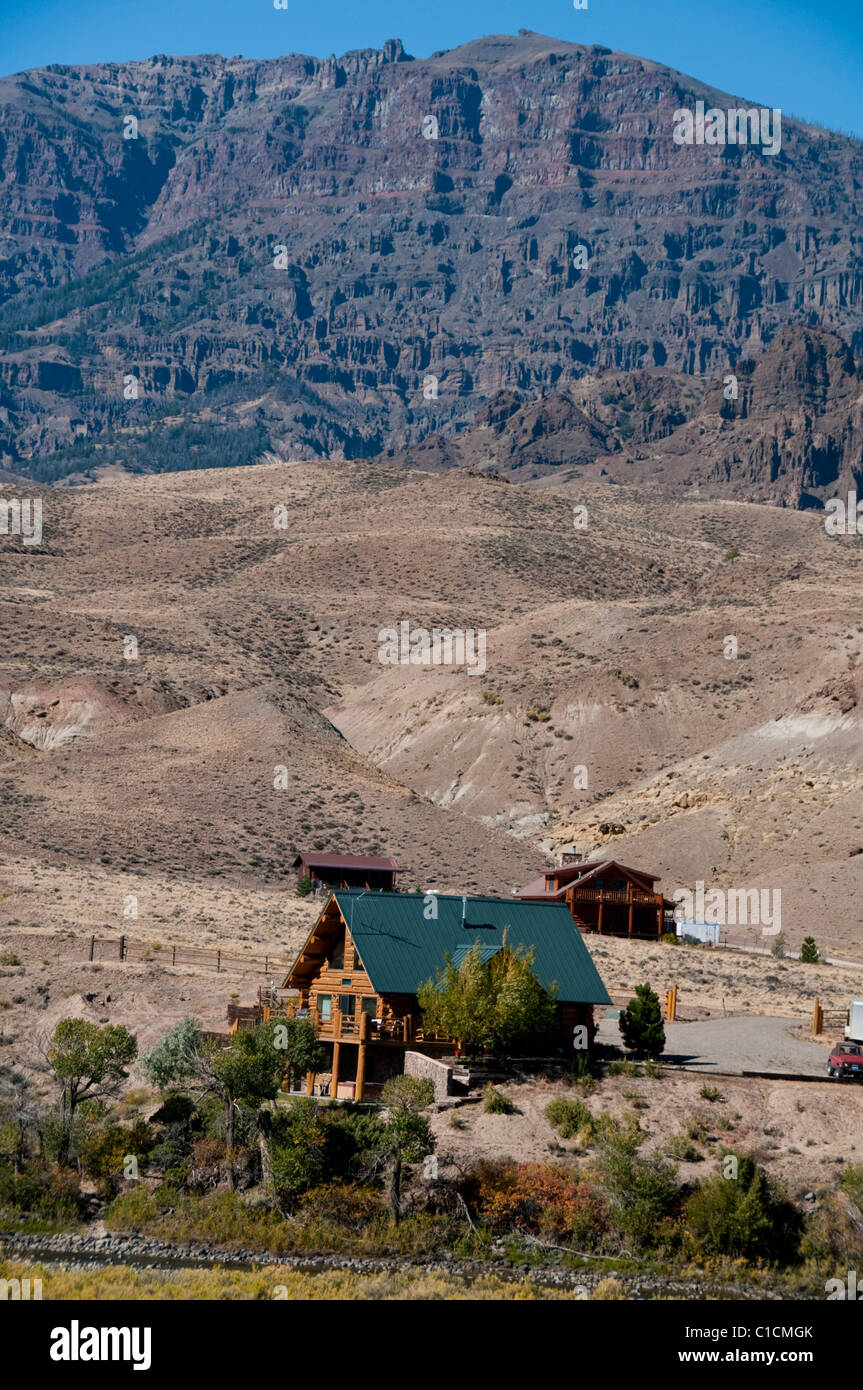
603	896
347	870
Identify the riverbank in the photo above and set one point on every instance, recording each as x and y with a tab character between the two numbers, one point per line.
111	1266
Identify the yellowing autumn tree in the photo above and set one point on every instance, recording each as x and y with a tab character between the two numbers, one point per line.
488	1005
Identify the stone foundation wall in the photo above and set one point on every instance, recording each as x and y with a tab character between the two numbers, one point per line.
417	1064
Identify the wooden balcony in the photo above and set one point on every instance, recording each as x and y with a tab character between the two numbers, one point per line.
341	1027
614	896
612	911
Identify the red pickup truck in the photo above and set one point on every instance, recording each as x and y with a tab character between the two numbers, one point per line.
846	1059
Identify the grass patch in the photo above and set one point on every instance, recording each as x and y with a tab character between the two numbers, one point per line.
494	1102
276	1283
622	1066
571	1119
681	1148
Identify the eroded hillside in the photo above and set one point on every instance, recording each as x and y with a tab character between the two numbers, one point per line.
674	682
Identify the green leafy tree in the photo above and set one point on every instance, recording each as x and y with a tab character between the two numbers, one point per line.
299	1142
90	1064
743	1215
640	1192
298	1042
174	1058
641	1024
106	1151
318	1146
407	1136
809	953
249	1072
488	1005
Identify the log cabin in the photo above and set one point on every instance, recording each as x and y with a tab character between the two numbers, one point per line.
347	871
361	968
603	896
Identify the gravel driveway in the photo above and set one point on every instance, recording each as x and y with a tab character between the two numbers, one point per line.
735	1045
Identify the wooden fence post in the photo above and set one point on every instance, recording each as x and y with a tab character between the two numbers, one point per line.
817	1018
218	961
92	946
122	948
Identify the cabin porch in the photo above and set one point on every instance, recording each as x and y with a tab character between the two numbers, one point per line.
632	912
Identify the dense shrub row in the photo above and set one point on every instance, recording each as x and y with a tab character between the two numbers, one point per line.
234	1163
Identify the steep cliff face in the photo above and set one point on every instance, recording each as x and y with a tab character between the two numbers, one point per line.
346	256
785	427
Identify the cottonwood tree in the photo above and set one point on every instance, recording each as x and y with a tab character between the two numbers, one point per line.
175	1056
19	1114
90	1064
407	1136
250	1071
298	1042
488	1004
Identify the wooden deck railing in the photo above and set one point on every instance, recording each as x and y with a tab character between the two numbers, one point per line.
346	1027
616	897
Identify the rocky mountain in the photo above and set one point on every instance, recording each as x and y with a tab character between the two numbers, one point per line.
203	259
785	427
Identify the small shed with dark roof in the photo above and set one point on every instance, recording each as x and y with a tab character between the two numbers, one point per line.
370	872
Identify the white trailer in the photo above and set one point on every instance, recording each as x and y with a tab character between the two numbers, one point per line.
854	1026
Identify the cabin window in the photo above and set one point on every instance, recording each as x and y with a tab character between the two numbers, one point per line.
337	954
347	1004
369	1005
325	1004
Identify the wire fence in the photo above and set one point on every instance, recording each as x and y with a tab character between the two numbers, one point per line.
123	948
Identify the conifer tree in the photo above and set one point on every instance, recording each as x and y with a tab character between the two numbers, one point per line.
641	1024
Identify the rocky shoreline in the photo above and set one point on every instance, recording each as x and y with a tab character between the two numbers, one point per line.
87	1251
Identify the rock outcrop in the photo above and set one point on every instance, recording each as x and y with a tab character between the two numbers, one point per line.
347	256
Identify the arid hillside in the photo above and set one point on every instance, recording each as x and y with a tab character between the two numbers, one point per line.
191	686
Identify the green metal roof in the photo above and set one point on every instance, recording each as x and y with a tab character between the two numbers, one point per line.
401	946
485	953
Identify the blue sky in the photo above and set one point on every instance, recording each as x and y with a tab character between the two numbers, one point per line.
805	56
